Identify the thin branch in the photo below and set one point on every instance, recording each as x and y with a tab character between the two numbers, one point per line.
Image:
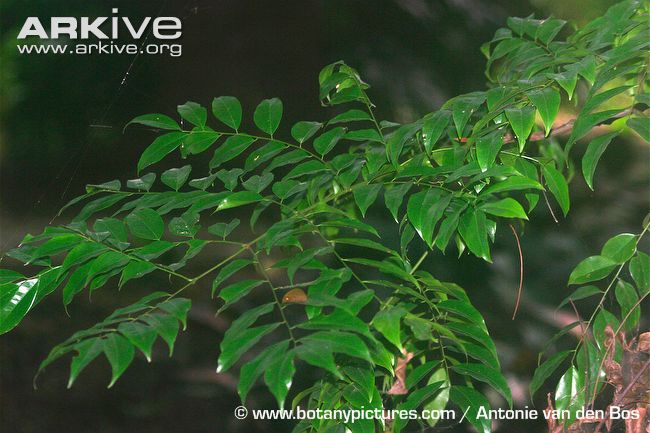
521	272
550	208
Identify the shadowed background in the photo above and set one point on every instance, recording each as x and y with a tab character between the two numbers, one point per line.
61	127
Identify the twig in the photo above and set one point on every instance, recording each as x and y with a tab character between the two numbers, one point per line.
550	208
521	272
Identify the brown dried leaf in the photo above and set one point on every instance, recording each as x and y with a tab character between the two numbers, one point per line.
399	386
644	343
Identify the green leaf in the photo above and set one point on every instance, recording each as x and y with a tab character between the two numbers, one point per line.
82	253
268	114
119	353
145	223
364	135
463	309
318	355
601	321
235	344
620	248
395	143
544	371
580	293
166	326
87	350
442	399
425	209
303	131
227	271
447	228
420	372
229	177
547	101
339	342
592	155
278	377
113	185
238	290
155	120
549	28
627	298
263	154
463	109
570	393
521	121
592	268
415	399
239	199
193	113
488	375
292	157
387	322
513	183
143	183
228	110
17	299
305	168
223	229
433	127
258	183
567	80
487	149
302	258
394	196
231	148
325	142
366	243
9	276
198	141
473	229
252	370
507	208
353	115
161	147
640	125
135	269
585	123
362	376
76	283
351	224
176	177
640	271
558	187
178	308
140	335
365	195
105	263
469	401
203	183
153	250
184	225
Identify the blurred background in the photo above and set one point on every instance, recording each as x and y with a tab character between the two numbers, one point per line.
61	120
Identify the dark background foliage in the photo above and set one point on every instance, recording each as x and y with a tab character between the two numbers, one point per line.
61	121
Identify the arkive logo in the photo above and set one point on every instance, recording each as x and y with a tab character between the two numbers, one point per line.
71	35
83	27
